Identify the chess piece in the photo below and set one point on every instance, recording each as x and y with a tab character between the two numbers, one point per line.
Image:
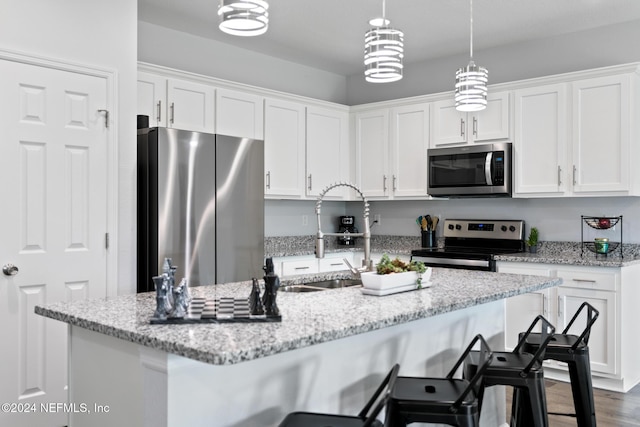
271	285
255	304
185	289
162	302
179	309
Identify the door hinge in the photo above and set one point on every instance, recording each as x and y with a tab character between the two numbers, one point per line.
106	240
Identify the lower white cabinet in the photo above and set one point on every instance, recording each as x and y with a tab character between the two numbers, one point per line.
309	264
613	346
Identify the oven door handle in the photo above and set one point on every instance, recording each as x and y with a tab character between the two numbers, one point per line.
487	168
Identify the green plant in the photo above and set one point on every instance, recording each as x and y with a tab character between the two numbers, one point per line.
533	237
388	266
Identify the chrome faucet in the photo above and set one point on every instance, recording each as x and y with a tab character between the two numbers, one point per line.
367	264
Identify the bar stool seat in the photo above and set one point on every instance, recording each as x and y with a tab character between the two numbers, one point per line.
439	400
366	418
573	350
523	371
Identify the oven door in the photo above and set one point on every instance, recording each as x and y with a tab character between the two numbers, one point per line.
481	170
465	261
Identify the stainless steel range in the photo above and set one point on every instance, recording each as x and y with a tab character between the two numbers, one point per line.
472	244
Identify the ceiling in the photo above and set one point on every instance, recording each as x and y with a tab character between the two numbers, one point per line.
329	34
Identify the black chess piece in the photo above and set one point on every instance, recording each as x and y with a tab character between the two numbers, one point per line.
271	285
255	303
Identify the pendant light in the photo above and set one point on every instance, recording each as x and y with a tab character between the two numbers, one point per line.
471	81
383	51
244	17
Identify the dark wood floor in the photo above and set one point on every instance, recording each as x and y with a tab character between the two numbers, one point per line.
612	409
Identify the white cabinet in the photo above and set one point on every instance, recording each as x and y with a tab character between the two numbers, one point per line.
327	151
284	151
335	262
600	287
452	127
175	103
541	140
601	134
299	265
309	264
391	151
239	114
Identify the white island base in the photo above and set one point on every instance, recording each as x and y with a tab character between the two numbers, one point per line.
127	384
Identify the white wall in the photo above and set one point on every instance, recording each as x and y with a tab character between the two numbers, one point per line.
610	45
94	33
175	49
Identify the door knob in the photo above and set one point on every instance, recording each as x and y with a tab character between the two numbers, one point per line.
10	270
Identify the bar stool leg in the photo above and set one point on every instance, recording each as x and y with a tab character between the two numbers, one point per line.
582	390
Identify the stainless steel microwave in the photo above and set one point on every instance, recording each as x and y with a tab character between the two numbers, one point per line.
471	171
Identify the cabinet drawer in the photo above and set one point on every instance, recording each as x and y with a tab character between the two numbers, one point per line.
603	281
335	262
290	268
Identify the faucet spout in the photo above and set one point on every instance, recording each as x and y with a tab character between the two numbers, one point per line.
367	264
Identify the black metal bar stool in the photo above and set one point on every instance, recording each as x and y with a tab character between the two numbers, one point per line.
439	400
573	350
521	370
366	418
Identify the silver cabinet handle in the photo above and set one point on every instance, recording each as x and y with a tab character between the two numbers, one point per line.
574	174
394	183
384	183
159	107
10	270
462	127
301	268
172	109
475	126
559	175
268	180
310	186
584	280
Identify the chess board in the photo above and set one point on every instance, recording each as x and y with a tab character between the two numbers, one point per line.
218	310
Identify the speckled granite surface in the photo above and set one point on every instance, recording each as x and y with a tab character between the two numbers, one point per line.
567	253
308	318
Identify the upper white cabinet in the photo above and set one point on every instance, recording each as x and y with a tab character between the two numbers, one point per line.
284	149
391	151
541	140
601	135
239	114
327	151
452	127
574	138
176	103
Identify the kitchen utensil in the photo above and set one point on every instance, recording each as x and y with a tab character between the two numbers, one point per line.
429	223
434	222
419	221
424	223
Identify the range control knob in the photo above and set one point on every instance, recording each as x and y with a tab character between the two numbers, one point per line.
512	228
450	227
458	227
503	228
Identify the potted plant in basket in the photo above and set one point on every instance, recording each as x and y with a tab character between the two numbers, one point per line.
532	241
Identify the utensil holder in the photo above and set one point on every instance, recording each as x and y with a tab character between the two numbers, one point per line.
429	239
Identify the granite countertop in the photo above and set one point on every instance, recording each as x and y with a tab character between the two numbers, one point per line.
566	253
307	318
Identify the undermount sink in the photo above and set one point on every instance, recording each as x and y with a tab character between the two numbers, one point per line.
322	285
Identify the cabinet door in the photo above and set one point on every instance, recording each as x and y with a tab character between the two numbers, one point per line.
521	310
327	151
284	132
540	141
239	114
602	342
492	123
191	106
409	144
448	125
152	98
372	152
601	127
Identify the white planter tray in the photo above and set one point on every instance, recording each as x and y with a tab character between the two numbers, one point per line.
373	280
398	289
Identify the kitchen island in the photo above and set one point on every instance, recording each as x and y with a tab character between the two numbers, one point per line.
328	354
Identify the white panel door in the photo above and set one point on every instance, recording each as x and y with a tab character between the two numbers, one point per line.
448	125
372	152
284	133
327	151
239	114
492	123
53	163
191	106
540	142
409	142
152	98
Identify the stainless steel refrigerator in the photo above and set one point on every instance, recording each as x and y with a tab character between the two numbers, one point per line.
200	203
